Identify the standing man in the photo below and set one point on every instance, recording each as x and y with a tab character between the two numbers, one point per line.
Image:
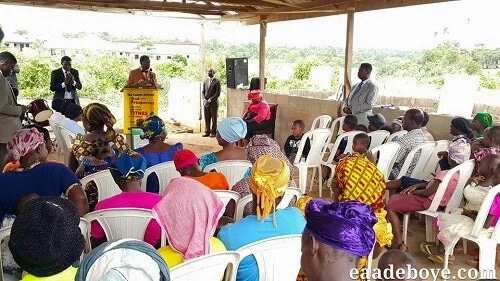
10	111
64	82
142	76
211	93
363	95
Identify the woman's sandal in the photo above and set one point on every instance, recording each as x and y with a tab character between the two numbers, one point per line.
440	259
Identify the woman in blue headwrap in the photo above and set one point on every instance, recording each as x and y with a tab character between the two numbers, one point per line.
157	151
229	132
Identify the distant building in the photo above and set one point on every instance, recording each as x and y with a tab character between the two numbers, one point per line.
61	46
18	42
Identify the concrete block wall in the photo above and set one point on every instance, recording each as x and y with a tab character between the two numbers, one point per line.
292	107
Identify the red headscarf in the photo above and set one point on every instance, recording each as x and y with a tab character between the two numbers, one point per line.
254	95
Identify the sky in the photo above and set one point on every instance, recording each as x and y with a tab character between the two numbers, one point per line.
469	22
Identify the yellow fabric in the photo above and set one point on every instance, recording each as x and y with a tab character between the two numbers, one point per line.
173	258
359	179
302	203
269	181
67	275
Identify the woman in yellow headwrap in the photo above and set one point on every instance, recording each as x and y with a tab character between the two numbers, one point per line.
357	178
269	182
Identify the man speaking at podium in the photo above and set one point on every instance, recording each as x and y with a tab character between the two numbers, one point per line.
142	76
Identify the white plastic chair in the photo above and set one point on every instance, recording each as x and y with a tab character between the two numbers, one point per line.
289	195
465	171
333	149
386	157
319	139
121	223
396	135
337	123
67	137
377	138
227	195
61	144
214	267
433	161
278	258
164	171
423	152
487	245
321	122
105	183
85	229
233	170
4	233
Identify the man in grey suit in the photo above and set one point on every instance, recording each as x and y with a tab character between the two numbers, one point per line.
10	111
211	93
363	95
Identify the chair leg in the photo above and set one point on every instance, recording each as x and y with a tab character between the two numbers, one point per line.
303	178
464	245
312	179
487	259
320	181
406	220
429	237
447	253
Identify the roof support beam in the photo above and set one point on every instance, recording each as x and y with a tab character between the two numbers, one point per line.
348	53
262	54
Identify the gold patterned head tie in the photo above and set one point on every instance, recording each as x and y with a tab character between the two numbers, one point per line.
269	181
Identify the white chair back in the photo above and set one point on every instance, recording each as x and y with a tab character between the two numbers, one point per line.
85	229
106	186
395	136
164	171
337	123
318	139
465	169
386	157
290	194
348	149
278	258
377	138
4	233
121	223
483	213
67	137
214	267
433	161
61	144
321	122
227	195
423	152
233	170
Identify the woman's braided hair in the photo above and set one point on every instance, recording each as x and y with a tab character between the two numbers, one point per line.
97	116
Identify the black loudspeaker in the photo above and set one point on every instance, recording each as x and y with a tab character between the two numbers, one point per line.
236	72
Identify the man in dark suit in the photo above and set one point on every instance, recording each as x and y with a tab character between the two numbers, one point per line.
64	82
211	93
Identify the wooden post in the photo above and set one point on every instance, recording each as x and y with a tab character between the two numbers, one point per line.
348	53
262	54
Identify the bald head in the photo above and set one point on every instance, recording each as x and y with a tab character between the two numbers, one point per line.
395	259
413	119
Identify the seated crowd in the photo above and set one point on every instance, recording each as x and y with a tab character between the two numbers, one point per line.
43	201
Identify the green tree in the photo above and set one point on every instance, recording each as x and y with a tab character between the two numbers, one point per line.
34	77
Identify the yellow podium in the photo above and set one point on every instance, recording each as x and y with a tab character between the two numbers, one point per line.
138	104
